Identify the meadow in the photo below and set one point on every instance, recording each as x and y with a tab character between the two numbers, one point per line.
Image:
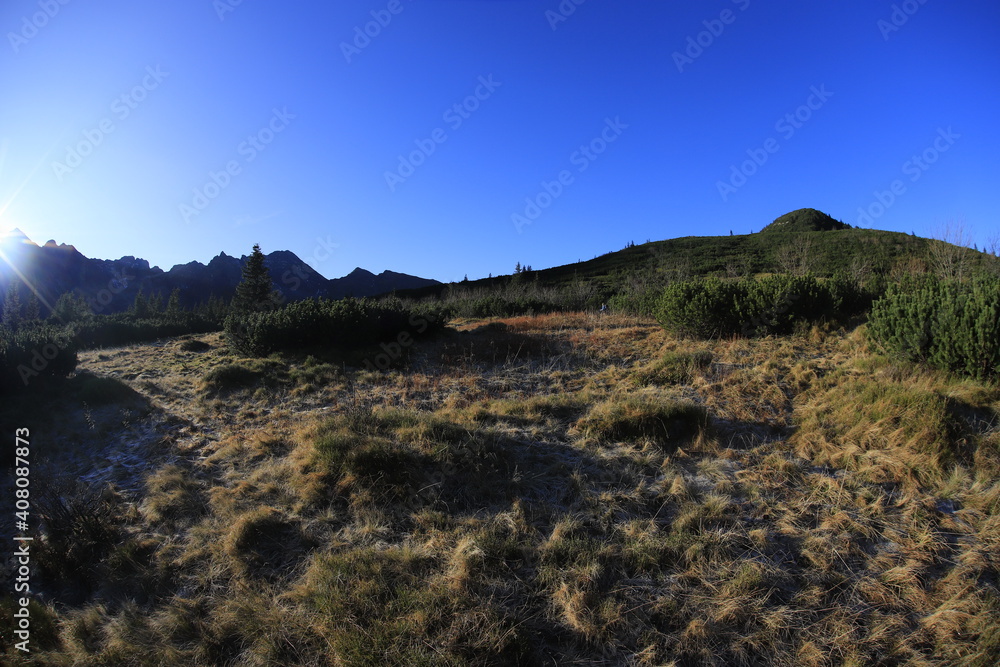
565	488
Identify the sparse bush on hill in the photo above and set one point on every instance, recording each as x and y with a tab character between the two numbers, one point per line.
754	307
948	324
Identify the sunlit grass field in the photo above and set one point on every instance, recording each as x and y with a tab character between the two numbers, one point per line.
562	489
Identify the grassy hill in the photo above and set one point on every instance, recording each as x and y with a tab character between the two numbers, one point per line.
798	242
558	489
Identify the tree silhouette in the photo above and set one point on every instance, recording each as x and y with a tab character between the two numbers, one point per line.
174	303
33	309
12	306
255	292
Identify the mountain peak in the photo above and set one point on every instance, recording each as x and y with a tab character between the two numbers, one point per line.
805	220
15	236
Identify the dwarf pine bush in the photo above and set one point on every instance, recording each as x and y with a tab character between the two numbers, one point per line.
344	324
32	353
753	307
949	324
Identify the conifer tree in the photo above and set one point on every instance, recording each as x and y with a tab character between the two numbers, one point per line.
140	307
156	304
255	292
12	306
33	309
174	303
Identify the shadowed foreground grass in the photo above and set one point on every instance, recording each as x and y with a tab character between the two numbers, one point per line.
563	489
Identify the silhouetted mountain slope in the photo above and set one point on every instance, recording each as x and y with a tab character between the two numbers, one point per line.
111	285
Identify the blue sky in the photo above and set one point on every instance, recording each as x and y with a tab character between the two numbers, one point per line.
173	131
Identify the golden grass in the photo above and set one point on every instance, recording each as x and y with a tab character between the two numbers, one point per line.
561	489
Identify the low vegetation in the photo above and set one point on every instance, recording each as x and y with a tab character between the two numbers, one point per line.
597	491
950	324
712	307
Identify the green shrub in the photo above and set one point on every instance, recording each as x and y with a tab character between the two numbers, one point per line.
948	324
754	307
35	354
636	301
344	324
126	328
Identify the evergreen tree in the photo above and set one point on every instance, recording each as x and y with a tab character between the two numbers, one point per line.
255	292
156	304
12	306
70	307
33	310
174	303
140	307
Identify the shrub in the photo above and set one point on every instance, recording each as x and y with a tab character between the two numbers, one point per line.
754	307
81	525
948	324
126	328
33	353
636	301
344	324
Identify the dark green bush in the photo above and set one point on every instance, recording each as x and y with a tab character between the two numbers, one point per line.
948	324
754	307
125	328
34	355
642	301
344	324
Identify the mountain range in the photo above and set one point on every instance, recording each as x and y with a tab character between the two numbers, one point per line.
110	286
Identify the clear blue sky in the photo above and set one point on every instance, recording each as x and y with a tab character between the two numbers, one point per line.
200	78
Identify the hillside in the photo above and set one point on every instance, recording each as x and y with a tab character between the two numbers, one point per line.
563	489
780	247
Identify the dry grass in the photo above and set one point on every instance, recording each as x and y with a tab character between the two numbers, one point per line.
567	489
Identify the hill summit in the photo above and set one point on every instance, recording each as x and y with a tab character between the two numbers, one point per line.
805	220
